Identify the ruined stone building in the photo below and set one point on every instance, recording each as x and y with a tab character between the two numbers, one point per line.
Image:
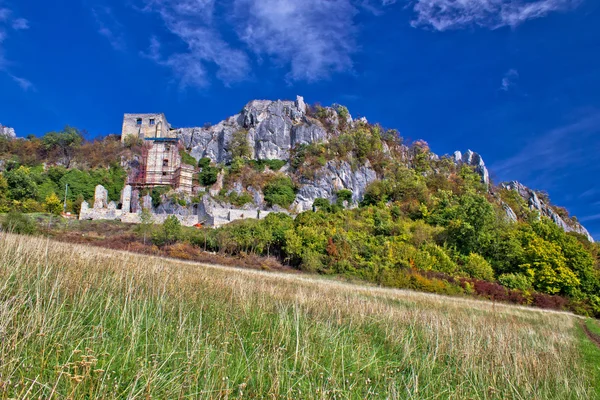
161	162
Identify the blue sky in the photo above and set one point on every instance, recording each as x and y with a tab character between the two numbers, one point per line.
517	81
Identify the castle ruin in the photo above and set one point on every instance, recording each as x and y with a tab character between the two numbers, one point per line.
161	163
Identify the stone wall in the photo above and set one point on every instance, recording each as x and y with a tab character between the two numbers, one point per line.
207	213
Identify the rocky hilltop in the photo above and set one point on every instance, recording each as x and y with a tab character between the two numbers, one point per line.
274	129
7	132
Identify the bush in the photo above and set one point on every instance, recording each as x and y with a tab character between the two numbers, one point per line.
280	191
186	158
169	232
477	267
53	204
17	222
31	206
208	176
240	200
321	203
204	162
157	193
515	281
344	195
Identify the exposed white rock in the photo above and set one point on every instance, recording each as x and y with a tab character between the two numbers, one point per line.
7	132
475	160
535	203
510	214
274	127
333	177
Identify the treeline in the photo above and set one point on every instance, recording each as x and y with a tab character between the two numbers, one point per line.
36	171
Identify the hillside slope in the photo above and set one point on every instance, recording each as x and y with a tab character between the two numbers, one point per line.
80	322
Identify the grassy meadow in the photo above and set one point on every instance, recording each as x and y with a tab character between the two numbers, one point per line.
83	322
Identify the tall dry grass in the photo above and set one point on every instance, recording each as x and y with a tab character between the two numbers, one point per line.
79	322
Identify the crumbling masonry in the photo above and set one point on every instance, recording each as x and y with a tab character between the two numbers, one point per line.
160	162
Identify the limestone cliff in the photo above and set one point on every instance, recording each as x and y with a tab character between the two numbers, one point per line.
274	128
7	132
535	203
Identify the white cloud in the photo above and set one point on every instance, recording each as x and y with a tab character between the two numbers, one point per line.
9	22
22	82
312	39
109	27
20	24
509	79
192	22
315	38
442	15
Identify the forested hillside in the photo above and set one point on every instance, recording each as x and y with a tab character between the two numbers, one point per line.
423	222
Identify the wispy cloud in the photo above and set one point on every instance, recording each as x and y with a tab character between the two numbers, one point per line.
20	24
193	22
109	27
588	218
314	37
567	150
509	79
9	22
443	15
25	84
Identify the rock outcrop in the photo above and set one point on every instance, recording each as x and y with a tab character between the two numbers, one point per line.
7	132
473	159
334	176
273	128
535	203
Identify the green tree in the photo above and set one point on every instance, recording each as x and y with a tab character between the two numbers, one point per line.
4	199
239	145
53	204
280	191
343	195
208	176
80	183
146	225
169	232
477	267
64	142
20	184
204	162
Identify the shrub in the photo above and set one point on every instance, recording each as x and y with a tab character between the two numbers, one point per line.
344	195
441	260
204	162
321	203
186	158
274	165
280	191
239	146
515	281
17	222
53	204
208	176
477	267
157	193
239	200
169	232
31	206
